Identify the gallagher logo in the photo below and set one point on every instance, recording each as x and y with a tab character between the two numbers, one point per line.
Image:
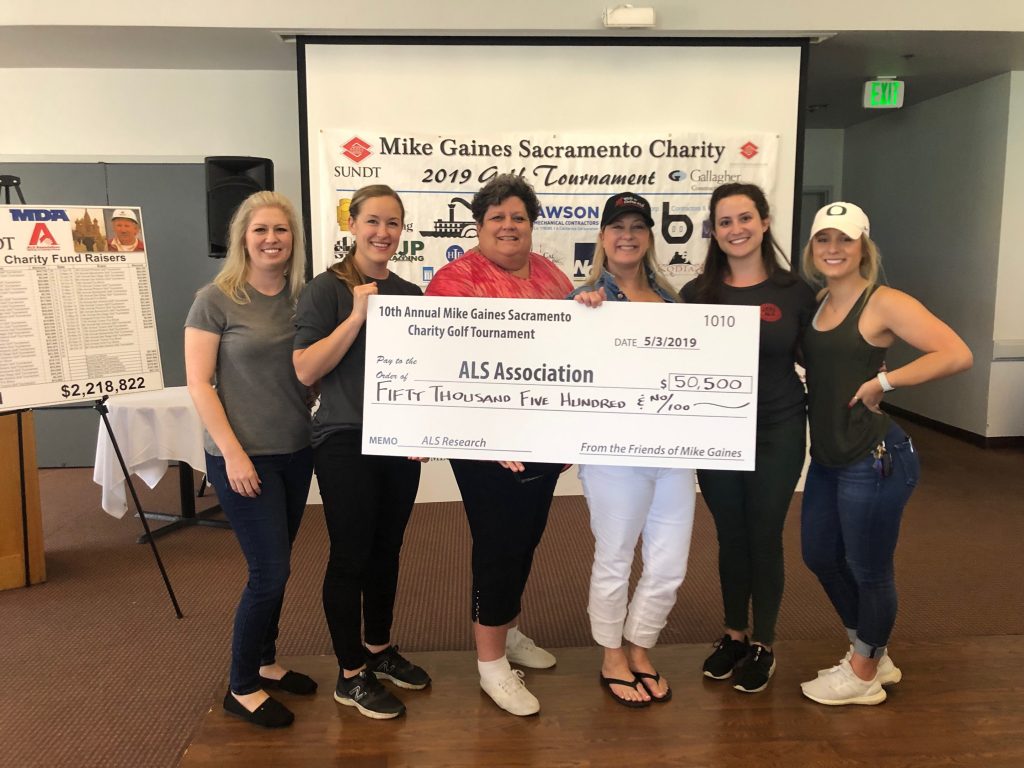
42	239
677	175
454	252
770	313
356	150
748	150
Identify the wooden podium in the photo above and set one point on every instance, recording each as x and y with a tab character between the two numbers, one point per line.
21	526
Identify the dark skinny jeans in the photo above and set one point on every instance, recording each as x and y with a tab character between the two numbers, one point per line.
367	504
265	527
750	509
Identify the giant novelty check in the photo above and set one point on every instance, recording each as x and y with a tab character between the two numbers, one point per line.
652	385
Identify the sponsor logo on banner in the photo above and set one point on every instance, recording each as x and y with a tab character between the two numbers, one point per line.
558	216
350	172
341	247
457	224
427	274
42	239
676	228
410	251
582	260
680	265
356	150
39	214
454	252
677	175
749	149
770	313
706	229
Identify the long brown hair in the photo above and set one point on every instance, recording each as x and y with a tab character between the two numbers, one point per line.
716	264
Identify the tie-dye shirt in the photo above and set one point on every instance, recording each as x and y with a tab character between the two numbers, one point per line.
475	275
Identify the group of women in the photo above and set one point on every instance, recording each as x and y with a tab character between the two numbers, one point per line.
260	348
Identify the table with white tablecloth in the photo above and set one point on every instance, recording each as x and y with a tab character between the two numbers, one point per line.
152	429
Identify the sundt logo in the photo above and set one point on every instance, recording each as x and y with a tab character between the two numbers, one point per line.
42	239
356	150
749	149
454	252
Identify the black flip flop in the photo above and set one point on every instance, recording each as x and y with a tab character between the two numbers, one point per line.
608	682
656	677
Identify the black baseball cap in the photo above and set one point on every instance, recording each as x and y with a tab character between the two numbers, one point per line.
626	202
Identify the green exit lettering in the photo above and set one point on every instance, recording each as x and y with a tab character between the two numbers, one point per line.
884	93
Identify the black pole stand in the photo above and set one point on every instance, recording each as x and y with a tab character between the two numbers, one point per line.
24	502
101	407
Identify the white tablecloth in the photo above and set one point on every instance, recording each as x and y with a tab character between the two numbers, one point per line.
152	428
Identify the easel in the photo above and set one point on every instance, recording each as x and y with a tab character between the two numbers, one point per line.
7	183
101	407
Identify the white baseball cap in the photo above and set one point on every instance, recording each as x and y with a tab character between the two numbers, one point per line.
124	213
846	217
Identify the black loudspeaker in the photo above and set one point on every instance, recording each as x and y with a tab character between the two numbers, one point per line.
229	180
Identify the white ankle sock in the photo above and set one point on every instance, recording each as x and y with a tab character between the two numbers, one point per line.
492	670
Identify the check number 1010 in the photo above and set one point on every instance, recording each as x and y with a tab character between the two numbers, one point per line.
697	382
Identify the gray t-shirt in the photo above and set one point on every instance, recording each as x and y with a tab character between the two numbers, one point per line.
264	401
325	303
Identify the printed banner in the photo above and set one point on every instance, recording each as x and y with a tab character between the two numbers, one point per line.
76	308
573	175
650	385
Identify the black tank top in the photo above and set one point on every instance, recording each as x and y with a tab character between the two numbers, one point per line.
838	361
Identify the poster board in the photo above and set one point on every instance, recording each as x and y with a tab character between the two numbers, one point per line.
76	306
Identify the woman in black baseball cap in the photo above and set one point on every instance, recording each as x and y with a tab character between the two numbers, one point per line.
627	502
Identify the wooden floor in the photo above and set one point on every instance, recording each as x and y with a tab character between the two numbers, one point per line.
961	703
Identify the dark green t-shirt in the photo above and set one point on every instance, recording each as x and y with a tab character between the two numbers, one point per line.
787	304
325	303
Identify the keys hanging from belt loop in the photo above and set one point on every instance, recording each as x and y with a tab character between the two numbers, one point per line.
883	461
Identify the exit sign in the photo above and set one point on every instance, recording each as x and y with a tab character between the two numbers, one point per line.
883	94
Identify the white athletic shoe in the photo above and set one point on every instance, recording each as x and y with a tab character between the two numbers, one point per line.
888	672
839	686
521	650
510	693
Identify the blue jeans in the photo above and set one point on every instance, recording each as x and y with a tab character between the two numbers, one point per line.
265	527
849	526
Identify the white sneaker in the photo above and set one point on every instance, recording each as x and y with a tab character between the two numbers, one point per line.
510	693
888	672
521	650
839	686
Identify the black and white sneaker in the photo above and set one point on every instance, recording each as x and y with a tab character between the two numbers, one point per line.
365	693
757	669
389	664
727	655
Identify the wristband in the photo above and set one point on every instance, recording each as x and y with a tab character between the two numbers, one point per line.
884	381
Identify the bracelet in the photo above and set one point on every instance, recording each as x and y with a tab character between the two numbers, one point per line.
884	381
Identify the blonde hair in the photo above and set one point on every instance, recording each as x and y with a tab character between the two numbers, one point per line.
232	276
347	270
650	264
870	262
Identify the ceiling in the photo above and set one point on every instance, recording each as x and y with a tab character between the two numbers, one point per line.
930	63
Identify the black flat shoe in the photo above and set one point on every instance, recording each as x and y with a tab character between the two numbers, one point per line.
270	714
292	682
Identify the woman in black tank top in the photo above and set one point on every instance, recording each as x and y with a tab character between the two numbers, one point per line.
863	466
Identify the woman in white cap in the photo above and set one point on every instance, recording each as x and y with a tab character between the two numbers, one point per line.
628	502
863	465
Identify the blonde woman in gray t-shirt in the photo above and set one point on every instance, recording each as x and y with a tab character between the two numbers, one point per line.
238	349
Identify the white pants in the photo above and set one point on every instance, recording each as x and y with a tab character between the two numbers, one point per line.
625	503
